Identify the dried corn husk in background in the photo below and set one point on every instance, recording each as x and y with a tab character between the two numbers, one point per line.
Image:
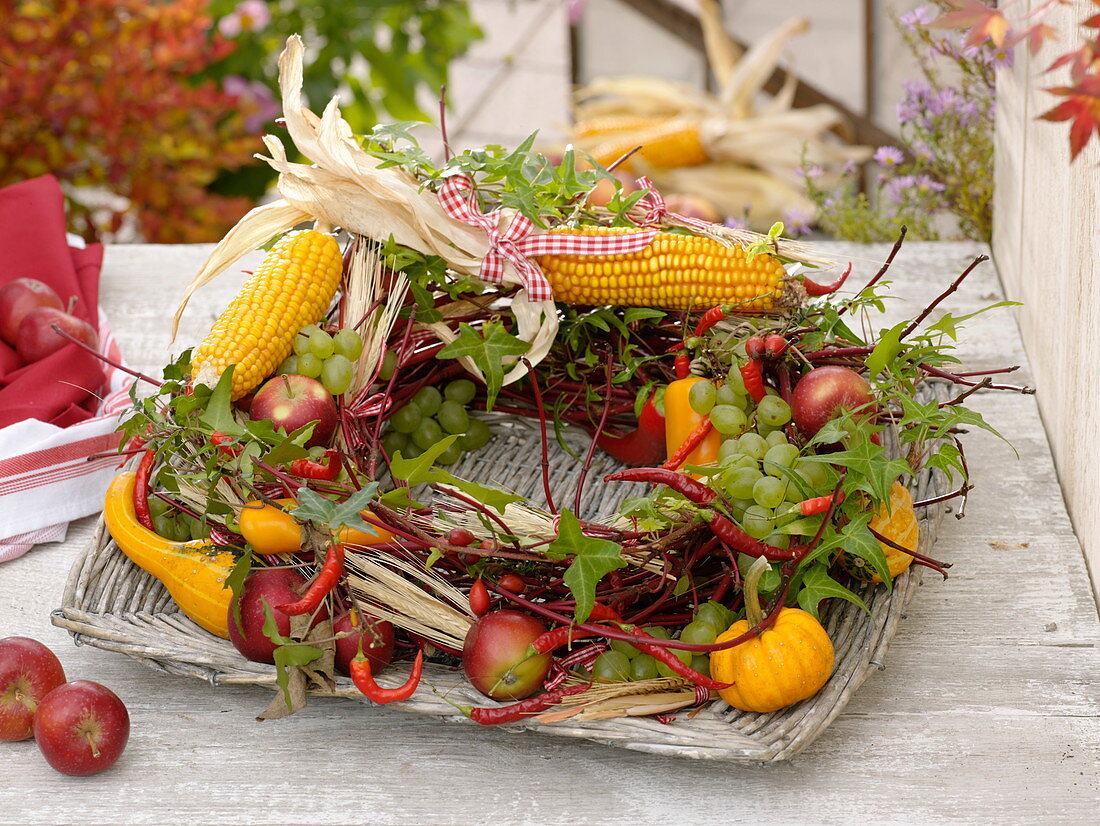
755	144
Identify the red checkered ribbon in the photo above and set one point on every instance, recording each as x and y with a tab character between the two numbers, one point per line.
516	244
560	668
656	209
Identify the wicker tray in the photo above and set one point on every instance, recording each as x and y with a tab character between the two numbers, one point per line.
112	604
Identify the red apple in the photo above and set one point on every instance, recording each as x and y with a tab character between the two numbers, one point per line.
81	728
693	206
496	658
376	637
37	339
19	297
275	586
291	401
823	392
28	672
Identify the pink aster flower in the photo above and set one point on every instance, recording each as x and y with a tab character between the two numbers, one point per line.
888	156
254	94
249	16
796	222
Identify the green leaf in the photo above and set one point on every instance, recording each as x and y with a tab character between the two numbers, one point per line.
235	583
419	471
948	324
632	314
494	498
219	410
888	347
593	559
489	350
818	585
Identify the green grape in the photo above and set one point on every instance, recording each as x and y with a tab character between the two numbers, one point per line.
623	647
427	433
773	411
739	506
793	493
768	492
301	343
728	451
347	343
754	445
776	437
288	367
460	390
815	473
757	522
728	419
174	529
411	451
714	615
611	667
779	540
389	364
741	482
453	417
658	631
701	397
320	344
643	667
157	507
736	382
407	418
728	395
394	441
476	436
683	656
429	399
195	528
450	455
699	633
701	663
336	374
780	456
309	365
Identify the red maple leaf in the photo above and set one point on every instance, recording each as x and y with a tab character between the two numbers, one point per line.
1082	106
1079	61
984	23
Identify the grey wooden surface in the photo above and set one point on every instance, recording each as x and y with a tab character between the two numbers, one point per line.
987	710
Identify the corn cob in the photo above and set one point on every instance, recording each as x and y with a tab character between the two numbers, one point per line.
613	125
291	288
671	144
675	272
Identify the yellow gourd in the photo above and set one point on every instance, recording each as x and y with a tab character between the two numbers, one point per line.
272	531
193	572
897	521
789	662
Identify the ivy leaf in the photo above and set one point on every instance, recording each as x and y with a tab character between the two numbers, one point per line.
948	323
868	468
488	350
818	585
219	411
322	511
592	560
494	498
419	471
235	583
888	347
288	654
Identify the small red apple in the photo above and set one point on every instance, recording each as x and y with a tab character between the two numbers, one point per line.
28	672
823	392
81	728
376	637
291	401
496	658
275	586
37	339
19	297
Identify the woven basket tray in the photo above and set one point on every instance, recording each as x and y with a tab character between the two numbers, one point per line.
112	604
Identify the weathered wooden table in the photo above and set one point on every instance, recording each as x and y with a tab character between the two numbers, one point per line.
987	710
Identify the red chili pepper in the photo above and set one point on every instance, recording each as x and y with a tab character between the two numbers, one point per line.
710	318
524	708
682	365
815	289
329	470
364	681
225	445
775	346
644	445
666	656
331	572
694	439
753	375
513	583
479	598
141	489
603	613
819	504
555	638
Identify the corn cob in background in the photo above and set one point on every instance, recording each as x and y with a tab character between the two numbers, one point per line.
293	287
725	148
675	272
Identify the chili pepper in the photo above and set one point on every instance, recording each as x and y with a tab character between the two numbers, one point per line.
141	489
665	655
681	422
524	708
364	680
682	366
603	613
815	289
775	346
644	445
329	470
555	638
690	444
754	347
701	495
479	598
331	572
819	504
513	583
224	445
753	374
710	318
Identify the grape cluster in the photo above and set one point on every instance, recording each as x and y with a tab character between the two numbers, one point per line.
173	525
623	662
430	416
328	358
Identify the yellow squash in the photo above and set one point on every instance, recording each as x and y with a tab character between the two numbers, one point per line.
193	572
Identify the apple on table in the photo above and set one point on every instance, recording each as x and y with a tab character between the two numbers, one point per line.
37	337
28	672
81	728
19	297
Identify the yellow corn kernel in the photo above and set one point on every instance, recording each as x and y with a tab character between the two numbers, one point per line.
612	125
291	288
671	144
692	273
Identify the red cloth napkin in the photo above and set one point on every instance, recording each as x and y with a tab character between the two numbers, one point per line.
63	388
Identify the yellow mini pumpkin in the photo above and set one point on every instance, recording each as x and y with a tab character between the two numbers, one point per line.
898	523
789	662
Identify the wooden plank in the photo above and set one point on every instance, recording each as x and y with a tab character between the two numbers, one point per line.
987	711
